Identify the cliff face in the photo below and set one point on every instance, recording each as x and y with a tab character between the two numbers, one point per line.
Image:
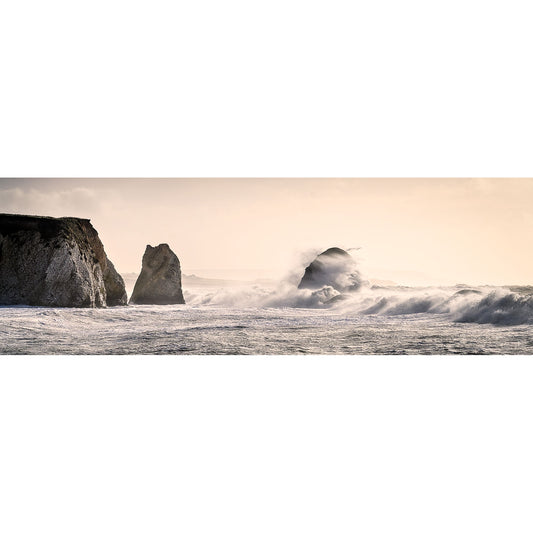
57	262
115	287
160	279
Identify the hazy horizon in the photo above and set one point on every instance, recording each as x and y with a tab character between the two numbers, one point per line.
410	231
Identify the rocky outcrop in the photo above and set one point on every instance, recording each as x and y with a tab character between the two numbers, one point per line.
335	268
57	262
160	279
114	286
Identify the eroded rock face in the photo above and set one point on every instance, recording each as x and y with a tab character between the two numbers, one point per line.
335	268
114	286
56	262
160	279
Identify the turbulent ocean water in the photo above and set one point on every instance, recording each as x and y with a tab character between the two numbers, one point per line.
280	319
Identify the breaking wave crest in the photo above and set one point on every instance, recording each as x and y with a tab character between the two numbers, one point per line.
500	308
482	305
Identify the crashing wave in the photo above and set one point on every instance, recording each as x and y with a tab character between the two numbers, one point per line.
501	308
332	281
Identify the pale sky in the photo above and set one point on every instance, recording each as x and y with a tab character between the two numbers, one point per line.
412	231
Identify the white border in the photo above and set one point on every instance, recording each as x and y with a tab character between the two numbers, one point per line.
286	88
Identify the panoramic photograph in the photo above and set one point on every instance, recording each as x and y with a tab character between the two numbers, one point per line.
280	266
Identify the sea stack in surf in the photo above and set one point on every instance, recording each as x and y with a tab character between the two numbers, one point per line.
55	262
159	282
335	268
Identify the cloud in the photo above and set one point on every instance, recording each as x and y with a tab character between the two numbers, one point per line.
76	201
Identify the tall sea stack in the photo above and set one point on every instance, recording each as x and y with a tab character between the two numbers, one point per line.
56	262
159	282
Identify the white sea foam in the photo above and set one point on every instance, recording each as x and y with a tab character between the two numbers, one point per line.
214	329
483	305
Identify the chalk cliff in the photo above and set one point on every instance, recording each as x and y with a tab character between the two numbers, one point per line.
57	262
160	279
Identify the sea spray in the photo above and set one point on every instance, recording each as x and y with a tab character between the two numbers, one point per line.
351	294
